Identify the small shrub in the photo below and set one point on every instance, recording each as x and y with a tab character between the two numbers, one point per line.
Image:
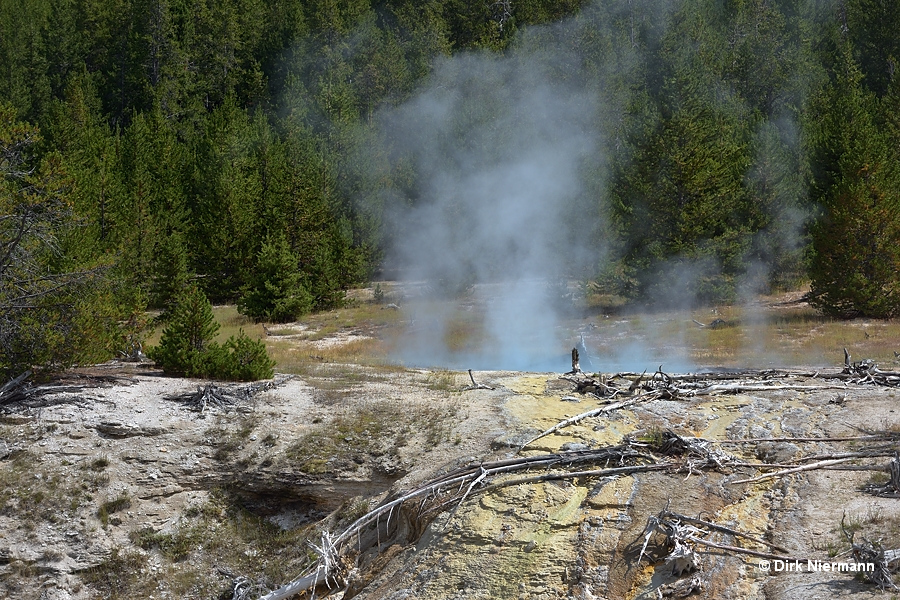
175	546
353	509
116	575
112	506
99	463
187	349
246	360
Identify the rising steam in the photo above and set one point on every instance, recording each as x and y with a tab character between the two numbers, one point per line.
496	147
493	182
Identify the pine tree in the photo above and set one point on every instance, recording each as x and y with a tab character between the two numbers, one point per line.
57	305
276	292
187	347
224	204
855	270
684	205
188	335
170	275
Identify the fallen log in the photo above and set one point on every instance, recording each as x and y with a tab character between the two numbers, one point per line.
301	584
329	569
592	386
741	388
682	533
858	438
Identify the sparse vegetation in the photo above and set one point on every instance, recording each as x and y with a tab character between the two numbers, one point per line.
110	507
99	463
442	380
119	576
230	435
353	509
35	493
174	546
378	429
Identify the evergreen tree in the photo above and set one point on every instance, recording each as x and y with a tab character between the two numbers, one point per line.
91	153
687	214
779	202
170	275
24	81
245	359
188	335
224	204
856	263
152	203
276	293
55	305
187	347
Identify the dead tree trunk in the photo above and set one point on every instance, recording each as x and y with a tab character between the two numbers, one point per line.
576	367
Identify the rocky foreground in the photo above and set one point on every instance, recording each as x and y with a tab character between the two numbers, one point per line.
118	482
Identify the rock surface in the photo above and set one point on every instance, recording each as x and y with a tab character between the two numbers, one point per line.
115	478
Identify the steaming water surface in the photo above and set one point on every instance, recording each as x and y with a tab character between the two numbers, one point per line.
533	328
519	326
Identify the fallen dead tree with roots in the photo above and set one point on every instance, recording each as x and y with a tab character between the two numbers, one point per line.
225	397
663	451
451	489
16	389
679	387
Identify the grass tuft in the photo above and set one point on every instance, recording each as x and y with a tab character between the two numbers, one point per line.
109	507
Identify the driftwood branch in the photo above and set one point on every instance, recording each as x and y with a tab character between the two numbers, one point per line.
590	413
475	385
809	467
16	389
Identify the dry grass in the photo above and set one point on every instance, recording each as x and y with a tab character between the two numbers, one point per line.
797	336
443	380
304	357
375	428
751	337
231	323
358	317
873	524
